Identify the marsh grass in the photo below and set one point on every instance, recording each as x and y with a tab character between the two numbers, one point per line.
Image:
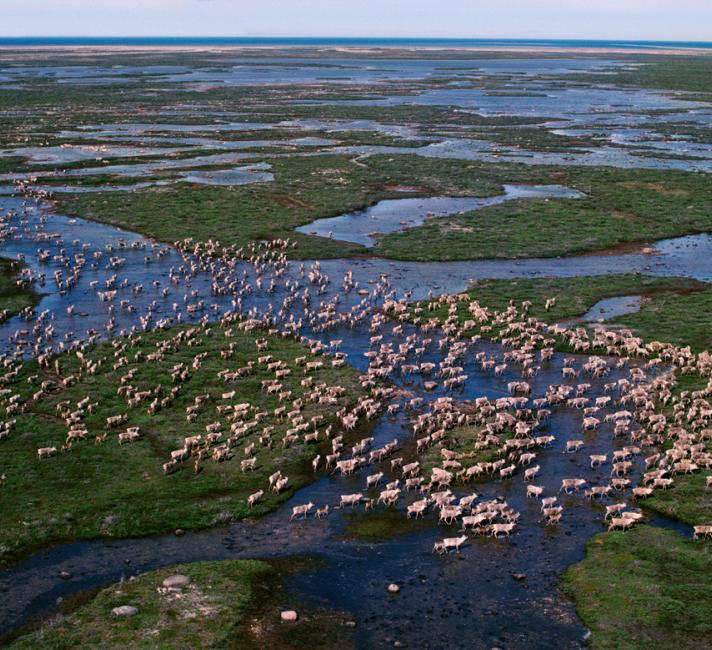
14	297
645	588
117	490
620	207
675	310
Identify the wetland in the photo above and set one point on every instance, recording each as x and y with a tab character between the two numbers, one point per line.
392	288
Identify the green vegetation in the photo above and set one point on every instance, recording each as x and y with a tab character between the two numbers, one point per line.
575	296
683	319
679	73
621	206
307	187
227	604
13	297
688	500
108	489
646	588
206	613
381	525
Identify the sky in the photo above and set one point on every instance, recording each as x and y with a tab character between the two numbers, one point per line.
583	19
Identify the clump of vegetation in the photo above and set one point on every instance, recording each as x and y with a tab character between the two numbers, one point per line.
621	206
14	297
680	73
93	486
645	588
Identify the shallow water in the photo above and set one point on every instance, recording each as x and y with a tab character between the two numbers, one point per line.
394	215
436	590
609	308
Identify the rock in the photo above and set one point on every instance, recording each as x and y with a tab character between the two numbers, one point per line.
65	575
176	582
289	615
179	532
393	588
125	611
519	576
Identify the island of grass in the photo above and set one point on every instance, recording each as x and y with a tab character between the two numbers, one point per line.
645	588
14	297
112	489
225	604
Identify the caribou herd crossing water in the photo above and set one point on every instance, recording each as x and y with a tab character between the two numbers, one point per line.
485	438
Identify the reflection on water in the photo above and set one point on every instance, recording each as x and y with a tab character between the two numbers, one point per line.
609	308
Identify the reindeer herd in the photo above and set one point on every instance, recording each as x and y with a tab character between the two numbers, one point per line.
413	364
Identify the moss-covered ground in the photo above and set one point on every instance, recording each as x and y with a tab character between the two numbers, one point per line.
227	604
645	588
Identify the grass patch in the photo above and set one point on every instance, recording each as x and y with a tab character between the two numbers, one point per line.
228	604
645	588
680	73
13	297
129	493
621	206
206	613
682	319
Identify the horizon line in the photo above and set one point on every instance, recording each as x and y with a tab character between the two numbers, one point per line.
362	38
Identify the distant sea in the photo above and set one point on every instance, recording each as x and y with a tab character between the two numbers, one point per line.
383	42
